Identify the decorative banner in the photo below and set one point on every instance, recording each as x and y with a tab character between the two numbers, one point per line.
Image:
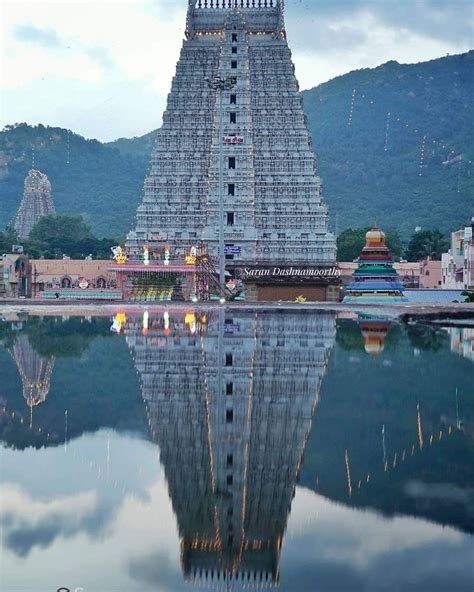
146	255
233	139
83	283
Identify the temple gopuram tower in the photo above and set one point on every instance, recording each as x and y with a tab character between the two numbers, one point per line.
36	203
269	194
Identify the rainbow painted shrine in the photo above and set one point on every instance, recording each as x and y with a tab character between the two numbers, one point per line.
375	280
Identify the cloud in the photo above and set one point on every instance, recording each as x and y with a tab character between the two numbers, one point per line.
133	46
44	37
28	524
444	20
156	570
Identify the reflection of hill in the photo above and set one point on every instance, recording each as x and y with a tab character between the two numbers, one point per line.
93	381
369	409
360	395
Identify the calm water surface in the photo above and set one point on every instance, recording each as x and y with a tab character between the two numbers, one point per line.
229	450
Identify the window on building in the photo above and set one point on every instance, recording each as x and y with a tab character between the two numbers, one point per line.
234	37
229	360
230	511
229	416
233	64
233	117
231	162
230	460
229	388
234	49
305	236
230	218
101	283
281	235
233	99
231	189
230	480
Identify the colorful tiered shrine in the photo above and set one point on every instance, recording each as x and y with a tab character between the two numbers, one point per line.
375	281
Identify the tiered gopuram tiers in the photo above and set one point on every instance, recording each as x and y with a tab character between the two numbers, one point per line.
375	280
274	215
36	203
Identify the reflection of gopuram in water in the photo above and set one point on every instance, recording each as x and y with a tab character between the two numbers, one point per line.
35	372
230	401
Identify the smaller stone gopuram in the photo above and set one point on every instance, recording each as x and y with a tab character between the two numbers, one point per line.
375	281
36	203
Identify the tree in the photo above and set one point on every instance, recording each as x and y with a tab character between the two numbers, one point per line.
427	243
351	242
55	236
8	238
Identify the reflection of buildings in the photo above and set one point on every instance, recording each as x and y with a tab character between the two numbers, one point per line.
35	372
231	410
462	341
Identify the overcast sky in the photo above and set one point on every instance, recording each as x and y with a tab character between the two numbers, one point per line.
103	69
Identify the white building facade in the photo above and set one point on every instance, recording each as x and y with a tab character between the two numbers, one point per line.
457	265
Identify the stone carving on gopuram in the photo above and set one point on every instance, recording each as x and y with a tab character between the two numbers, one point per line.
36	203
273	210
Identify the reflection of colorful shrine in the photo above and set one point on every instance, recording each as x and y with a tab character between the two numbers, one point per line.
374	330
375	280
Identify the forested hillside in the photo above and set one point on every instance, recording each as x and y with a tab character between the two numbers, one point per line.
394	143
87	177
390	167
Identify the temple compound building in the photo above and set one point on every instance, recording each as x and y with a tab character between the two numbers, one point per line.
36	203
253	133
230	400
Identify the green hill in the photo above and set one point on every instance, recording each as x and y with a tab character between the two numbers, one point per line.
89	178
370	170
364	181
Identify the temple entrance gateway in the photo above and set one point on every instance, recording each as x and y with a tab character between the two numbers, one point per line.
233	165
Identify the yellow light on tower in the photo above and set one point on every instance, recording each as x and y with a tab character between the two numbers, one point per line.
146	255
